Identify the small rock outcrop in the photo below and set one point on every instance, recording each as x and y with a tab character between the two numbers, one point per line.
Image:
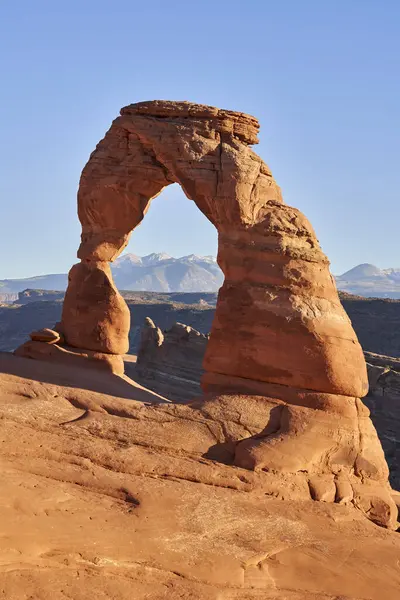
170	362
383	401
279	331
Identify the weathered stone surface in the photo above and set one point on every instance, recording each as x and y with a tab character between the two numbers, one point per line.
278	316
95	316
170	363
50	336
279	327
279	323
324	443
290	330
383	398
104	496
39	350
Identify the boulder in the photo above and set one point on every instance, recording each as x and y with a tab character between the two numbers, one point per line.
49	336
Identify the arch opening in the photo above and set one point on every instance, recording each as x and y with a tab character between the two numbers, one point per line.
174	226
169	327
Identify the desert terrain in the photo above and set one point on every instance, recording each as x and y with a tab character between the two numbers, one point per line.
271	482
107	491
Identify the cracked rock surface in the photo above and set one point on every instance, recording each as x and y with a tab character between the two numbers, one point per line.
110	492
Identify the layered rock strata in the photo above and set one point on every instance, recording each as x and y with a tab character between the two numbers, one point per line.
279	329
80	358
171	365
278	318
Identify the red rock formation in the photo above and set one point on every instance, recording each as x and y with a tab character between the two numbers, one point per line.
170	362
279	330
95	316
49	336
107	494
279	319
66	355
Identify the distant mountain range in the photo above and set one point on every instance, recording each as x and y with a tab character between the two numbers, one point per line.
367	280
153	273
163	273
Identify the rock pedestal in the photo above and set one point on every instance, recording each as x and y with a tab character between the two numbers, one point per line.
95	316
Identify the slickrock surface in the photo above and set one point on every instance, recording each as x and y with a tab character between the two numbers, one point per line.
170	362
108	496
68	355
383	399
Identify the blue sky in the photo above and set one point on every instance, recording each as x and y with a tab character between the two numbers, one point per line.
321	76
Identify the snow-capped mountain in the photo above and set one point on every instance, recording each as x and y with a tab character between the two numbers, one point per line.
156	272
197	259
163	273
154	258
368	280
159	272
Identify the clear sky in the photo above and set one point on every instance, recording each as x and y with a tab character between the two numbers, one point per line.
323	77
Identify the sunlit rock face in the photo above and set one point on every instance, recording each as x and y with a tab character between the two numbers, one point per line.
278	319
279	331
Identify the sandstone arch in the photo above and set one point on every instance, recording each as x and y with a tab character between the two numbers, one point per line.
279	332
279	319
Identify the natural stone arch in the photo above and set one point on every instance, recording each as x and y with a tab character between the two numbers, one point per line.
278	320
280	335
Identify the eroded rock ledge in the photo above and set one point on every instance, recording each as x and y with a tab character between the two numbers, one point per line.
127	499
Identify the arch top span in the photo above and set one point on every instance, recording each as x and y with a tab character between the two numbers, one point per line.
153	144
245	127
